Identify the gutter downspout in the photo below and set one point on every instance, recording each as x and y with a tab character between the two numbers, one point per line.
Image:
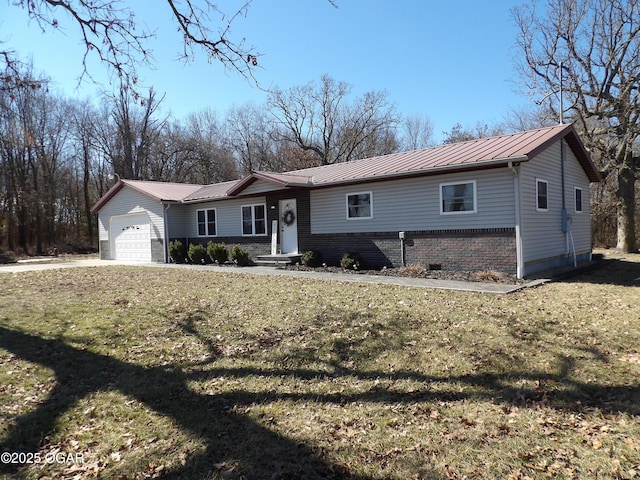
167	206
518	216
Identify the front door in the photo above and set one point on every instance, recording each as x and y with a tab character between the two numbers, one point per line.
288	226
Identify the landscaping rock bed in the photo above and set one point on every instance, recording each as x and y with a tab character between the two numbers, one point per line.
418	272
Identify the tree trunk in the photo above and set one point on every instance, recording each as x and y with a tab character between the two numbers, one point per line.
86	176
626	208
11	221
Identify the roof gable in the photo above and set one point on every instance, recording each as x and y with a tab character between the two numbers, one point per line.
159	191
286	179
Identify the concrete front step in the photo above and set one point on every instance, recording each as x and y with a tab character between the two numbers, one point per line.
276	260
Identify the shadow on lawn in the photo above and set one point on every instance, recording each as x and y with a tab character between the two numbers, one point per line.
608	271
231	436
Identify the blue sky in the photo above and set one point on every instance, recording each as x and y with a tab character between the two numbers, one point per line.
451	61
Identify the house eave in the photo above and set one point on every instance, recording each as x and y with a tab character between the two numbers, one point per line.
107	196
204	199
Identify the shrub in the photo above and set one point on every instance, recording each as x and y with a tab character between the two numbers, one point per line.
311	258
352	261
488	276
416	270
198	254
177	252
240	256
217	252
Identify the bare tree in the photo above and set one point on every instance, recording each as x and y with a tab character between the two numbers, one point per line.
11	75
591	48
417	132
459	134
85	156
248	135
137	127
521	119
319	119
34	134
109	30
209	158
172	154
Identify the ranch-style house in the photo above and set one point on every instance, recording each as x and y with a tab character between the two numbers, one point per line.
516	203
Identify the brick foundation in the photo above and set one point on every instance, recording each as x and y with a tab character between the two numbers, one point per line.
471	250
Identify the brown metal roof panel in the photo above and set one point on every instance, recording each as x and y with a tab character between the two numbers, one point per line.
216	190
480	151
162	190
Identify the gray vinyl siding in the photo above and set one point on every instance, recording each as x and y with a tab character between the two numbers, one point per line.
228	216
177	220
260	186
580	222
542	231
128	201
414	204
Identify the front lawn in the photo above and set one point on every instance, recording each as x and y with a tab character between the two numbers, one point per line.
134	373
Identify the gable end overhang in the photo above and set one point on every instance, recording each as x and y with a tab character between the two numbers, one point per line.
583	157
107	196
570	135
282	180
134	186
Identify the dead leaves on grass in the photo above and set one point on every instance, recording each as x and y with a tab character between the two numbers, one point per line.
349	334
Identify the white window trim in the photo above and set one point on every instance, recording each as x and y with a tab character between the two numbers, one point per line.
538	209
463	212
206	223
370	193
253	220
575	206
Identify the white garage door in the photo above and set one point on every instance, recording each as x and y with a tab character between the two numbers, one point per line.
131	237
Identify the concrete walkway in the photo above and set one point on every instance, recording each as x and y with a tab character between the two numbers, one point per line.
479	287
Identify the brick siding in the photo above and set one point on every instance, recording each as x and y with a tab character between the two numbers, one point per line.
470	250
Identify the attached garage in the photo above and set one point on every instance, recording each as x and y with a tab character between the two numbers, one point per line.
132	219
131	237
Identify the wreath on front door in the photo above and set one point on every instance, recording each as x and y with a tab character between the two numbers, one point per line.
288	217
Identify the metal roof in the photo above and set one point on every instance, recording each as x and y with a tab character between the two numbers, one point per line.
163	191
212	191
160	191
471	155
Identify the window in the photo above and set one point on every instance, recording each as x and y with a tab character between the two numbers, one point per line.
578	200
542	192
206	222
359	205
458	198
254	220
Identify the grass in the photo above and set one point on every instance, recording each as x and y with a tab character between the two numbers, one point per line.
176	373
